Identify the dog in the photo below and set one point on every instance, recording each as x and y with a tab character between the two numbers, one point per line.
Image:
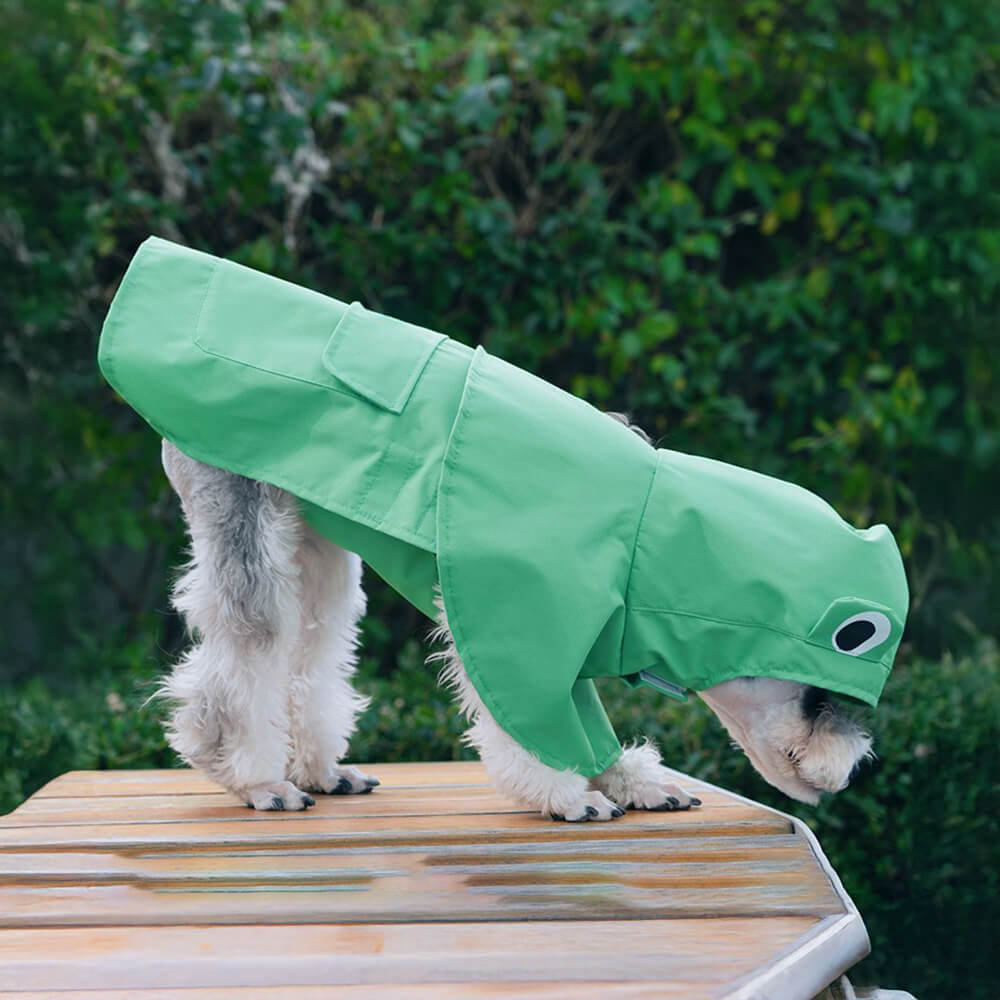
264	703
552	543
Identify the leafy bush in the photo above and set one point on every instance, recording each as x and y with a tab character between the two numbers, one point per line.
769	228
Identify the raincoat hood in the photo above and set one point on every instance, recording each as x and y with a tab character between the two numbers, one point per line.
738	574
563	547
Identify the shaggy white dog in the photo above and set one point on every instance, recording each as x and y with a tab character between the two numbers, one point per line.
263	702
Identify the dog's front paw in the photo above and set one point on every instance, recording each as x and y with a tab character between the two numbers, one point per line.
589	806
342	779
638	780
661	796
278	796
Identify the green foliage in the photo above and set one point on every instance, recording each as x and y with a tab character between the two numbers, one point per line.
768	229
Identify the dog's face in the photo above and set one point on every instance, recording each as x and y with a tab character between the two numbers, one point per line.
794	734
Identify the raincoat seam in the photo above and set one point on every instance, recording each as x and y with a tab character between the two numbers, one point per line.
352	394
631	565
407	466
216	262
755	626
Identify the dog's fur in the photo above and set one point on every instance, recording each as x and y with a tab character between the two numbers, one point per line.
263	702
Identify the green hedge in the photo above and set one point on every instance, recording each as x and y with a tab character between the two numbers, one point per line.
769	229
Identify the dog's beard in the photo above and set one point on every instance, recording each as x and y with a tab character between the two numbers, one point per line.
800	751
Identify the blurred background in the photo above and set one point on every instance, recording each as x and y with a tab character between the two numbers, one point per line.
769	230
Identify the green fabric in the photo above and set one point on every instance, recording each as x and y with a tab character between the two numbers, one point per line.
758	574
565	547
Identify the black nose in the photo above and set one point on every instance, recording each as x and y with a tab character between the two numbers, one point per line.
814	701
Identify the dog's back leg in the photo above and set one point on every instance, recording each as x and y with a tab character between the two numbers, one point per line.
239	597
323	704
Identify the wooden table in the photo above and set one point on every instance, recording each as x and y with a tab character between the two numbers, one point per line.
141	884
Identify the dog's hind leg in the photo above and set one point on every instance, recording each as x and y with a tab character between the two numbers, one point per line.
512	770
323	703
239	597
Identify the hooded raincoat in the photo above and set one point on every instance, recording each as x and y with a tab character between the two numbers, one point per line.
564	546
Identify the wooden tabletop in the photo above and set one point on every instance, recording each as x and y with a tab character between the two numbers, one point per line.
140	884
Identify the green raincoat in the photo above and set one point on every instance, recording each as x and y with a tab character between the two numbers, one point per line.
565	547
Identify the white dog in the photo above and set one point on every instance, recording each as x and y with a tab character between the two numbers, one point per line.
264	705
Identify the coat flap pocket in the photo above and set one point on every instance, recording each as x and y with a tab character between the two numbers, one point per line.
379	357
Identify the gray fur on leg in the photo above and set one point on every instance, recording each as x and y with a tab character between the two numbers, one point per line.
239	596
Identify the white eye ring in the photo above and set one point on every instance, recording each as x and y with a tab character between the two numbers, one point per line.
879	621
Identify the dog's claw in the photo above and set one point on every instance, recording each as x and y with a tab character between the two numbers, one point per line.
343	779
557	818
590	806
695	802
278	796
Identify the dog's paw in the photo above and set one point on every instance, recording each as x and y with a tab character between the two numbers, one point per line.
589	806
638	780
344	780
661	796
278	796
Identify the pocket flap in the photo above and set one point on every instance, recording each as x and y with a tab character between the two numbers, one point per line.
379	357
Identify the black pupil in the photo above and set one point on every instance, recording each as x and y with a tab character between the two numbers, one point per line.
851	636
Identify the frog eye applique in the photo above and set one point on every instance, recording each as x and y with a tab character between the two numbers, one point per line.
861	632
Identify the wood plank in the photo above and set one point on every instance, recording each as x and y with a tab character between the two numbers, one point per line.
405	894
326	829
414	801
437	991
643	877
152	868
536	952
223	806
184	781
